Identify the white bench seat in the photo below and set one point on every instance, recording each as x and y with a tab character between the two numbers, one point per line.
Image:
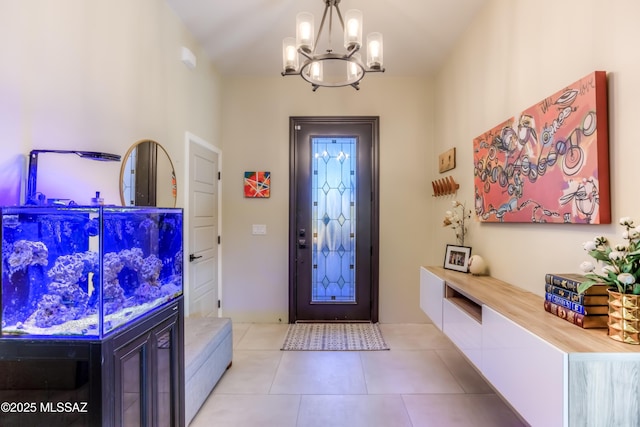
208	352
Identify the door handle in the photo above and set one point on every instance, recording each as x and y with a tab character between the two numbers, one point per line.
302	243
192	257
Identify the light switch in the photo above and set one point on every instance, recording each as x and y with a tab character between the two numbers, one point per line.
259	229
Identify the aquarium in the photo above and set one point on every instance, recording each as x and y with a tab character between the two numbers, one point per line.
85	271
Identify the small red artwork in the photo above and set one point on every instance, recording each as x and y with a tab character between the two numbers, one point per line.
257	184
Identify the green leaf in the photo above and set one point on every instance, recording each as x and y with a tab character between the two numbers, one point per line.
582	287
600	256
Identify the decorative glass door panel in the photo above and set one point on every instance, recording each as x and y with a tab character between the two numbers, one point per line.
333	219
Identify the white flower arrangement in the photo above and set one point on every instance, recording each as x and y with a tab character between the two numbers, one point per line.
621	263
456	219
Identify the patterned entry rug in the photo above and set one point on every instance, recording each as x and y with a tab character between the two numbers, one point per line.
334	337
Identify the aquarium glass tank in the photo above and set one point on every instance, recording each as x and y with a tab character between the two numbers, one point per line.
84	272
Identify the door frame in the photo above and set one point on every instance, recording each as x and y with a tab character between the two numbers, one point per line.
191	138
374	123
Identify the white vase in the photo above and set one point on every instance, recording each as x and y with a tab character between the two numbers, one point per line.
477	265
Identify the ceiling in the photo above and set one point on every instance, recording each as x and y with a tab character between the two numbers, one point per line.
244	37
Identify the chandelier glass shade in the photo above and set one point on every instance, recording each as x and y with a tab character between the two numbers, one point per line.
300	55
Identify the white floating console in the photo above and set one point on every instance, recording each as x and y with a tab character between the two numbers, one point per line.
550	371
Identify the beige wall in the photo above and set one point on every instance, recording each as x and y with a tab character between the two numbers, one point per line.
97	75
256	137
516	53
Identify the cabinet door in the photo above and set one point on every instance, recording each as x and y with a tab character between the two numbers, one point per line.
131	383
529	373
148	377
431	295
167	378
463	330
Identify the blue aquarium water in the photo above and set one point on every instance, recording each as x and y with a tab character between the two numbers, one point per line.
73	272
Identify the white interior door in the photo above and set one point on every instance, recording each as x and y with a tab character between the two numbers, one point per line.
203	230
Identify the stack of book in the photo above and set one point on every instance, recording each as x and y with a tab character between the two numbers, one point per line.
587	310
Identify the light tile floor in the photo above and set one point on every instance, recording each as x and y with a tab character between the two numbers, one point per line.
422	381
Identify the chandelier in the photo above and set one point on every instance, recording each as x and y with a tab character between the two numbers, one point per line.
331	69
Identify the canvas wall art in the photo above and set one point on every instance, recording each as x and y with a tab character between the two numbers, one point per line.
257	184
549	163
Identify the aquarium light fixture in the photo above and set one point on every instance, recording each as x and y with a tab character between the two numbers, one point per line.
30	197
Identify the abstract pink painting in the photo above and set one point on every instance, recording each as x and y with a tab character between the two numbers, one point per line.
549	163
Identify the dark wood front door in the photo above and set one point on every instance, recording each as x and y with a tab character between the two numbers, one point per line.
333	219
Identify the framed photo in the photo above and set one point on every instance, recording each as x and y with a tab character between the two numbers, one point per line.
457	258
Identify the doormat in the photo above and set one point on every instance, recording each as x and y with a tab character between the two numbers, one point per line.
334	337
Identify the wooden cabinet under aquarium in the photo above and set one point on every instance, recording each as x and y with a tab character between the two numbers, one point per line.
134	377
92	316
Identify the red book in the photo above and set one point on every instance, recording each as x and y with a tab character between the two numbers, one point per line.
584	321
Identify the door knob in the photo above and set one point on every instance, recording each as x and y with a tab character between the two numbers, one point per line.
192	257
302	243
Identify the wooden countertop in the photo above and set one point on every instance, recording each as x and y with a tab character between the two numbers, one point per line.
527	310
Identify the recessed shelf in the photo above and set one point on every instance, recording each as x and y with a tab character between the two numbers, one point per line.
465	303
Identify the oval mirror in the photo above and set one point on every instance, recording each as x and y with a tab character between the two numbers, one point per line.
147	176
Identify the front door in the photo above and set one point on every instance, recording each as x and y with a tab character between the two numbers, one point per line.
333	220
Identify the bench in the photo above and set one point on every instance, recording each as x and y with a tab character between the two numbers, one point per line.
208	351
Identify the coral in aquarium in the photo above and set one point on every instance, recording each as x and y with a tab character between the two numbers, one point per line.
23	278
149	288
67	268
50	311
26	253
148	292
151	269
112	265
132	258
112	292
65	300
177	263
